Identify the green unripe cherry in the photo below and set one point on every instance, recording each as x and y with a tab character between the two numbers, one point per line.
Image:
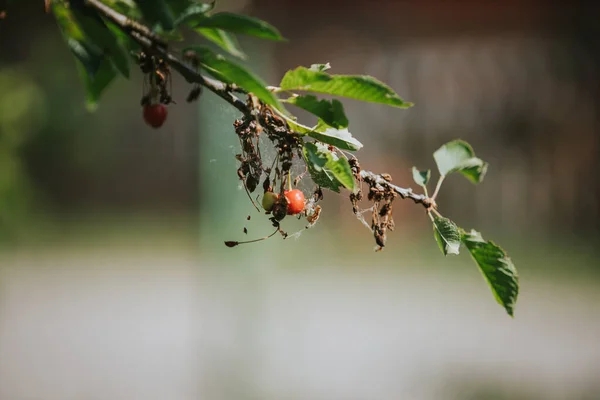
269	200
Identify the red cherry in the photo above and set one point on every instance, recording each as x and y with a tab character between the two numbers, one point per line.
155	114
295	200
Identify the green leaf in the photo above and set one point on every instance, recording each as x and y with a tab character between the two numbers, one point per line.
341	170
190	12
237	23
66	22
364	88
217	74
340	138
157	12
496	267
447	235
98	33
96	71
315	162
314	156
330	111
326	169
235	73
224	40
85	51
96	84
86	55
124	39
458	156
421	177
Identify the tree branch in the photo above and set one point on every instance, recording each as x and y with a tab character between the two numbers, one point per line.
126	24
154	44
375	179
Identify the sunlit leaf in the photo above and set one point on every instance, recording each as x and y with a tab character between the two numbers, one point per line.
340	138
497	268
358	87
421	177
458	156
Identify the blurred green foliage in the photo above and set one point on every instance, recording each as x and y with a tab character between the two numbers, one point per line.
22	113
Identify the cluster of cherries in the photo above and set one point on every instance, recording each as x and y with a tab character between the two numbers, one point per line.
295	201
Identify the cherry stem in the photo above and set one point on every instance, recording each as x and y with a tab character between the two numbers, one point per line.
437	187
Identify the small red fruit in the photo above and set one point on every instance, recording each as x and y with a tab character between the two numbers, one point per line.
295	200
155	114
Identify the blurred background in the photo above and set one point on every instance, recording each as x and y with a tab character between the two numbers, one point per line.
115	284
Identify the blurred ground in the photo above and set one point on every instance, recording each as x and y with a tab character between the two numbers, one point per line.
157	319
